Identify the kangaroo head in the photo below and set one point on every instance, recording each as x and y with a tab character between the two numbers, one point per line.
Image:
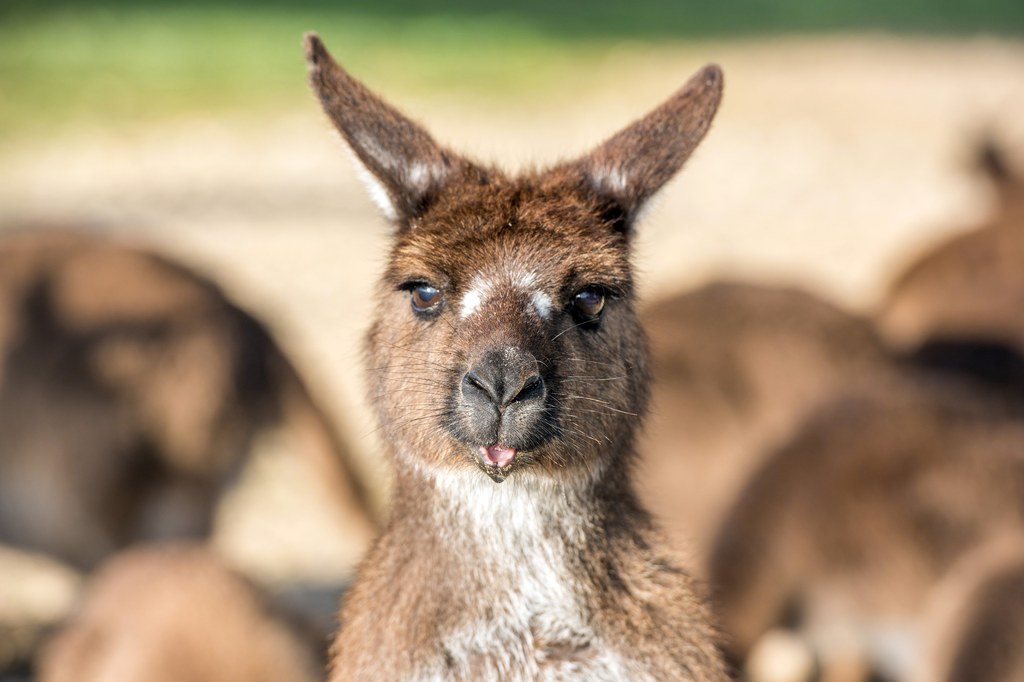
505	335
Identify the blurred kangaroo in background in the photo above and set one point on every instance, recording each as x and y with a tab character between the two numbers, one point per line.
962	301
174	613
974	626
846	528
736	367
509	372
131	390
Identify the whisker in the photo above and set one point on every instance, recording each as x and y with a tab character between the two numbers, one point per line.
603	402
569	329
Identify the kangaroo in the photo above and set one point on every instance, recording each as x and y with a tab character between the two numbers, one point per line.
508	371
847	527
968	291
975	618
173	613
131	389
736	368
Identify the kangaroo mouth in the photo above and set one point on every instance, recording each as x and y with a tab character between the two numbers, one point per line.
498	454
496	460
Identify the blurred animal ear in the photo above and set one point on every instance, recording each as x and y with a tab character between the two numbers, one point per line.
631	166
400	163
992	160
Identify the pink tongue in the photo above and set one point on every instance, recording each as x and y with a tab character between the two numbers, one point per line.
498	454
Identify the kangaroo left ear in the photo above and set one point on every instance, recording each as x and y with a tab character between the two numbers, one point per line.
403	167
631	166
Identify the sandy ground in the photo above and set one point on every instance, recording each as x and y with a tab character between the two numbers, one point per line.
831	162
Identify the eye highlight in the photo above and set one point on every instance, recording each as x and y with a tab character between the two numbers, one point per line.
589	302
424	298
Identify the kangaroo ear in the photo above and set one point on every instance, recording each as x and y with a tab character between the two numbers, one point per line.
400	163
631	166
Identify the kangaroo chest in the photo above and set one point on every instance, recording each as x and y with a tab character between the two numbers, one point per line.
526	612
536	628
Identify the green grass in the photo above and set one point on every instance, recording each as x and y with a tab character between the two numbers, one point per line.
105	67
112	62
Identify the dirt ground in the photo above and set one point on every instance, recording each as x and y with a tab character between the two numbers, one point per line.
831	162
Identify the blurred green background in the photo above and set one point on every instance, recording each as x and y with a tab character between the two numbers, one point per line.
115	61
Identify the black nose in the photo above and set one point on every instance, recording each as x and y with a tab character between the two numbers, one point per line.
504	376
502	397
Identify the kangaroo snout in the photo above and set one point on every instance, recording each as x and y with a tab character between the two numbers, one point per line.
502	398
504	376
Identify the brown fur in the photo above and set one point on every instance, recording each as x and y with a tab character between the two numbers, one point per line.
848	526
174	614
970	287
551	570
130	392
736	368
975	623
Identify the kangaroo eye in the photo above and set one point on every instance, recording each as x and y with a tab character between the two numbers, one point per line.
425	298
589	302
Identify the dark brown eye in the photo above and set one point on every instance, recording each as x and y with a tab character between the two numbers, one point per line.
589	302
425	298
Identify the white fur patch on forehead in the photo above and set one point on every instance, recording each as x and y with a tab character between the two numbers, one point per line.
482	288
541	303
474	297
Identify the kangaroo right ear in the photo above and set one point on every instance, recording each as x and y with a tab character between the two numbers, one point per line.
401	164
631	166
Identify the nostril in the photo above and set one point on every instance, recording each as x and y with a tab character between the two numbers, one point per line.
476	381
473	380
532	389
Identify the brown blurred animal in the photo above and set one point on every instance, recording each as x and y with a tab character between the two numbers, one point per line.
508	370
847	527
975	623
736	367
968	292
131	390
174	614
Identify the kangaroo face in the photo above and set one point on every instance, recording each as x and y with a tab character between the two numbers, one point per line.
506	335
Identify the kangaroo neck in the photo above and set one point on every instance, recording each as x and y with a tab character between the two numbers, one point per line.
527	514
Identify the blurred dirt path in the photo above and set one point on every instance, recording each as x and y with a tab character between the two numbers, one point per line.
833	159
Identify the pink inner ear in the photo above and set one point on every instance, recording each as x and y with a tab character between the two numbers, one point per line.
498	454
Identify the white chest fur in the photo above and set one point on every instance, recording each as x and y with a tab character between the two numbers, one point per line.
536	624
